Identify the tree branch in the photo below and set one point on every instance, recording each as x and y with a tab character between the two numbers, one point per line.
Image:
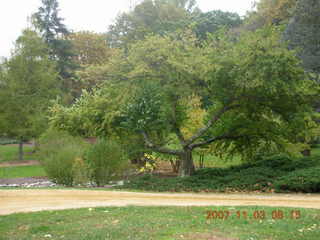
212	121
158	149
225	137
176	128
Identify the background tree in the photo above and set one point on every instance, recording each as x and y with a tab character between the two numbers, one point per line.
30	82
151	17
270	12
55	34
210	22
90	48
91	53
303	33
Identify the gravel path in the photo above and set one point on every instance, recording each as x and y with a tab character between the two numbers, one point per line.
16	201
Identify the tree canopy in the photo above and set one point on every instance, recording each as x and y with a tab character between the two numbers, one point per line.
303	33
28	83
252	92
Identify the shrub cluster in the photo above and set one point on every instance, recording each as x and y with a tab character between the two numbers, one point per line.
106	160
277	173
70	160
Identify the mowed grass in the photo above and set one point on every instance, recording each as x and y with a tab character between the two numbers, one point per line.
9	153
22	172
215	161
163	223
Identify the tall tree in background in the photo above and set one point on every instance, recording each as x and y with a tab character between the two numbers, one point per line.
270	12
92	52
90	48
210	22
303	33
28	83
55	34
151	17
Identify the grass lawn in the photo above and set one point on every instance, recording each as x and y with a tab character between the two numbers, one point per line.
10	153
215	161
20	172
160	223
316	151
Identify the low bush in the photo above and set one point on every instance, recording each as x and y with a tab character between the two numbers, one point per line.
58	153
107	161
304	180
277	173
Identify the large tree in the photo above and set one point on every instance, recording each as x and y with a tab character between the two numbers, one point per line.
90	48
91	53
303	33
50	25
151	17
270	12
253	93
211	22
28	84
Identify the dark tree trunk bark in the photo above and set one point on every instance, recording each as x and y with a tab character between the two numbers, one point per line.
187	166
21	150
306	153
175	164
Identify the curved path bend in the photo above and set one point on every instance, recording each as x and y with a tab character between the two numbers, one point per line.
18	201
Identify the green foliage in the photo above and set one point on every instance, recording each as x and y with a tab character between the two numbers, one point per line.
107	161
47	21
81	172
151	17
274	12
29	85
303	33
145	110
88	116
59	153
252	93
211	22
304	180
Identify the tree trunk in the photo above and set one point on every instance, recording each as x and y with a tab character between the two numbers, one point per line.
201	161
21	150
306	153
36	146
187	166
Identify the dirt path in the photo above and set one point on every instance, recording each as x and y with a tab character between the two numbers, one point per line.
14	201
19	163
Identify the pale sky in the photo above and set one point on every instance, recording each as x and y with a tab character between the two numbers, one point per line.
92	15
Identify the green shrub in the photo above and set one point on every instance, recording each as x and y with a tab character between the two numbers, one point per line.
304	180
6	141
106	160
58	153
81	172
259	176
